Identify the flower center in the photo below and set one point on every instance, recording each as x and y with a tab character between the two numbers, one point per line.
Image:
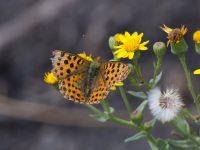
131	45
175	35
165	102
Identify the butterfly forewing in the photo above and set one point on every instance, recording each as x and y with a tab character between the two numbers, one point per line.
72	87
66	64
114	72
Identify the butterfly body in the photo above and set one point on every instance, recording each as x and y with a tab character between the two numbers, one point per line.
84	81
92	75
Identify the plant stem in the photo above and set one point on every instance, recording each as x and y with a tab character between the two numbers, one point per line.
125	99
156	69
115	119
139	74
189	81
94	109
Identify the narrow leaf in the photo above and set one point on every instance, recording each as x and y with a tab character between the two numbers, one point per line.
157	79
137	136
140	95
100	117
141	107
184	144
181	125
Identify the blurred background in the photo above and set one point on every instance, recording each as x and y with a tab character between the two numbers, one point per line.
33	115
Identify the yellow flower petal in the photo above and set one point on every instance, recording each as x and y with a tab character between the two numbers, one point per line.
83	55
113	88
49	78
130	55
143	48
196	71
117	84
166	29
196	36
127	34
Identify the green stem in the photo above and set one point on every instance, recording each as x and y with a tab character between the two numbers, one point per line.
187	114
94	109
189	81
122	121
125	99
152	142
157	69
105	106
139	74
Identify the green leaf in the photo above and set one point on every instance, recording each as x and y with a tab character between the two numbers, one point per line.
136	137
184	144
153	145
111	109
101	117
140	95
181	126
157	79
163	145
141	107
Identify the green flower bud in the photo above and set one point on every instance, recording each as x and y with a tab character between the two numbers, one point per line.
197	48
136	117
159	49
147	126
179	48
111	42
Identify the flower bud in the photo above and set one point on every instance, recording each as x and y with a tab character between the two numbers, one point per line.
147	126
136	117
159	49
196	38
197	48
179	48
111	42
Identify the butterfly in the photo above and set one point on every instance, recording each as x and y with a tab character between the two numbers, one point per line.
83	81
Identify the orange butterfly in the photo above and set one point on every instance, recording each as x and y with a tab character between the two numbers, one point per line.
84	81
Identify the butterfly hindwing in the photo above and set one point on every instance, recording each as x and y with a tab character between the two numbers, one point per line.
66	64
114	72
110	73
72	87
99	91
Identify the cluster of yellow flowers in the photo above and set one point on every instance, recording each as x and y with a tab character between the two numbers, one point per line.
128	43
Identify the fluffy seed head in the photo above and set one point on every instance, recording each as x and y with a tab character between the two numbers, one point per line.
164	106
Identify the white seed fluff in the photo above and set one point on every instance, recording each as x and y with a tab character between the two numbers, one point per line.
164	106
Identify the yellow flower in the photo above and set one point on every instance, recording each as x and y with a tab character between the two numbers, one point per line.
197	71
196	36
128	44
174	35
83	55
117	84
117	39
49	78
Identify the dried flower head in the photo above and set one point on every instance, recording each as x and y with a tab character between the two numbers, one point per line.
174	35
165	106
